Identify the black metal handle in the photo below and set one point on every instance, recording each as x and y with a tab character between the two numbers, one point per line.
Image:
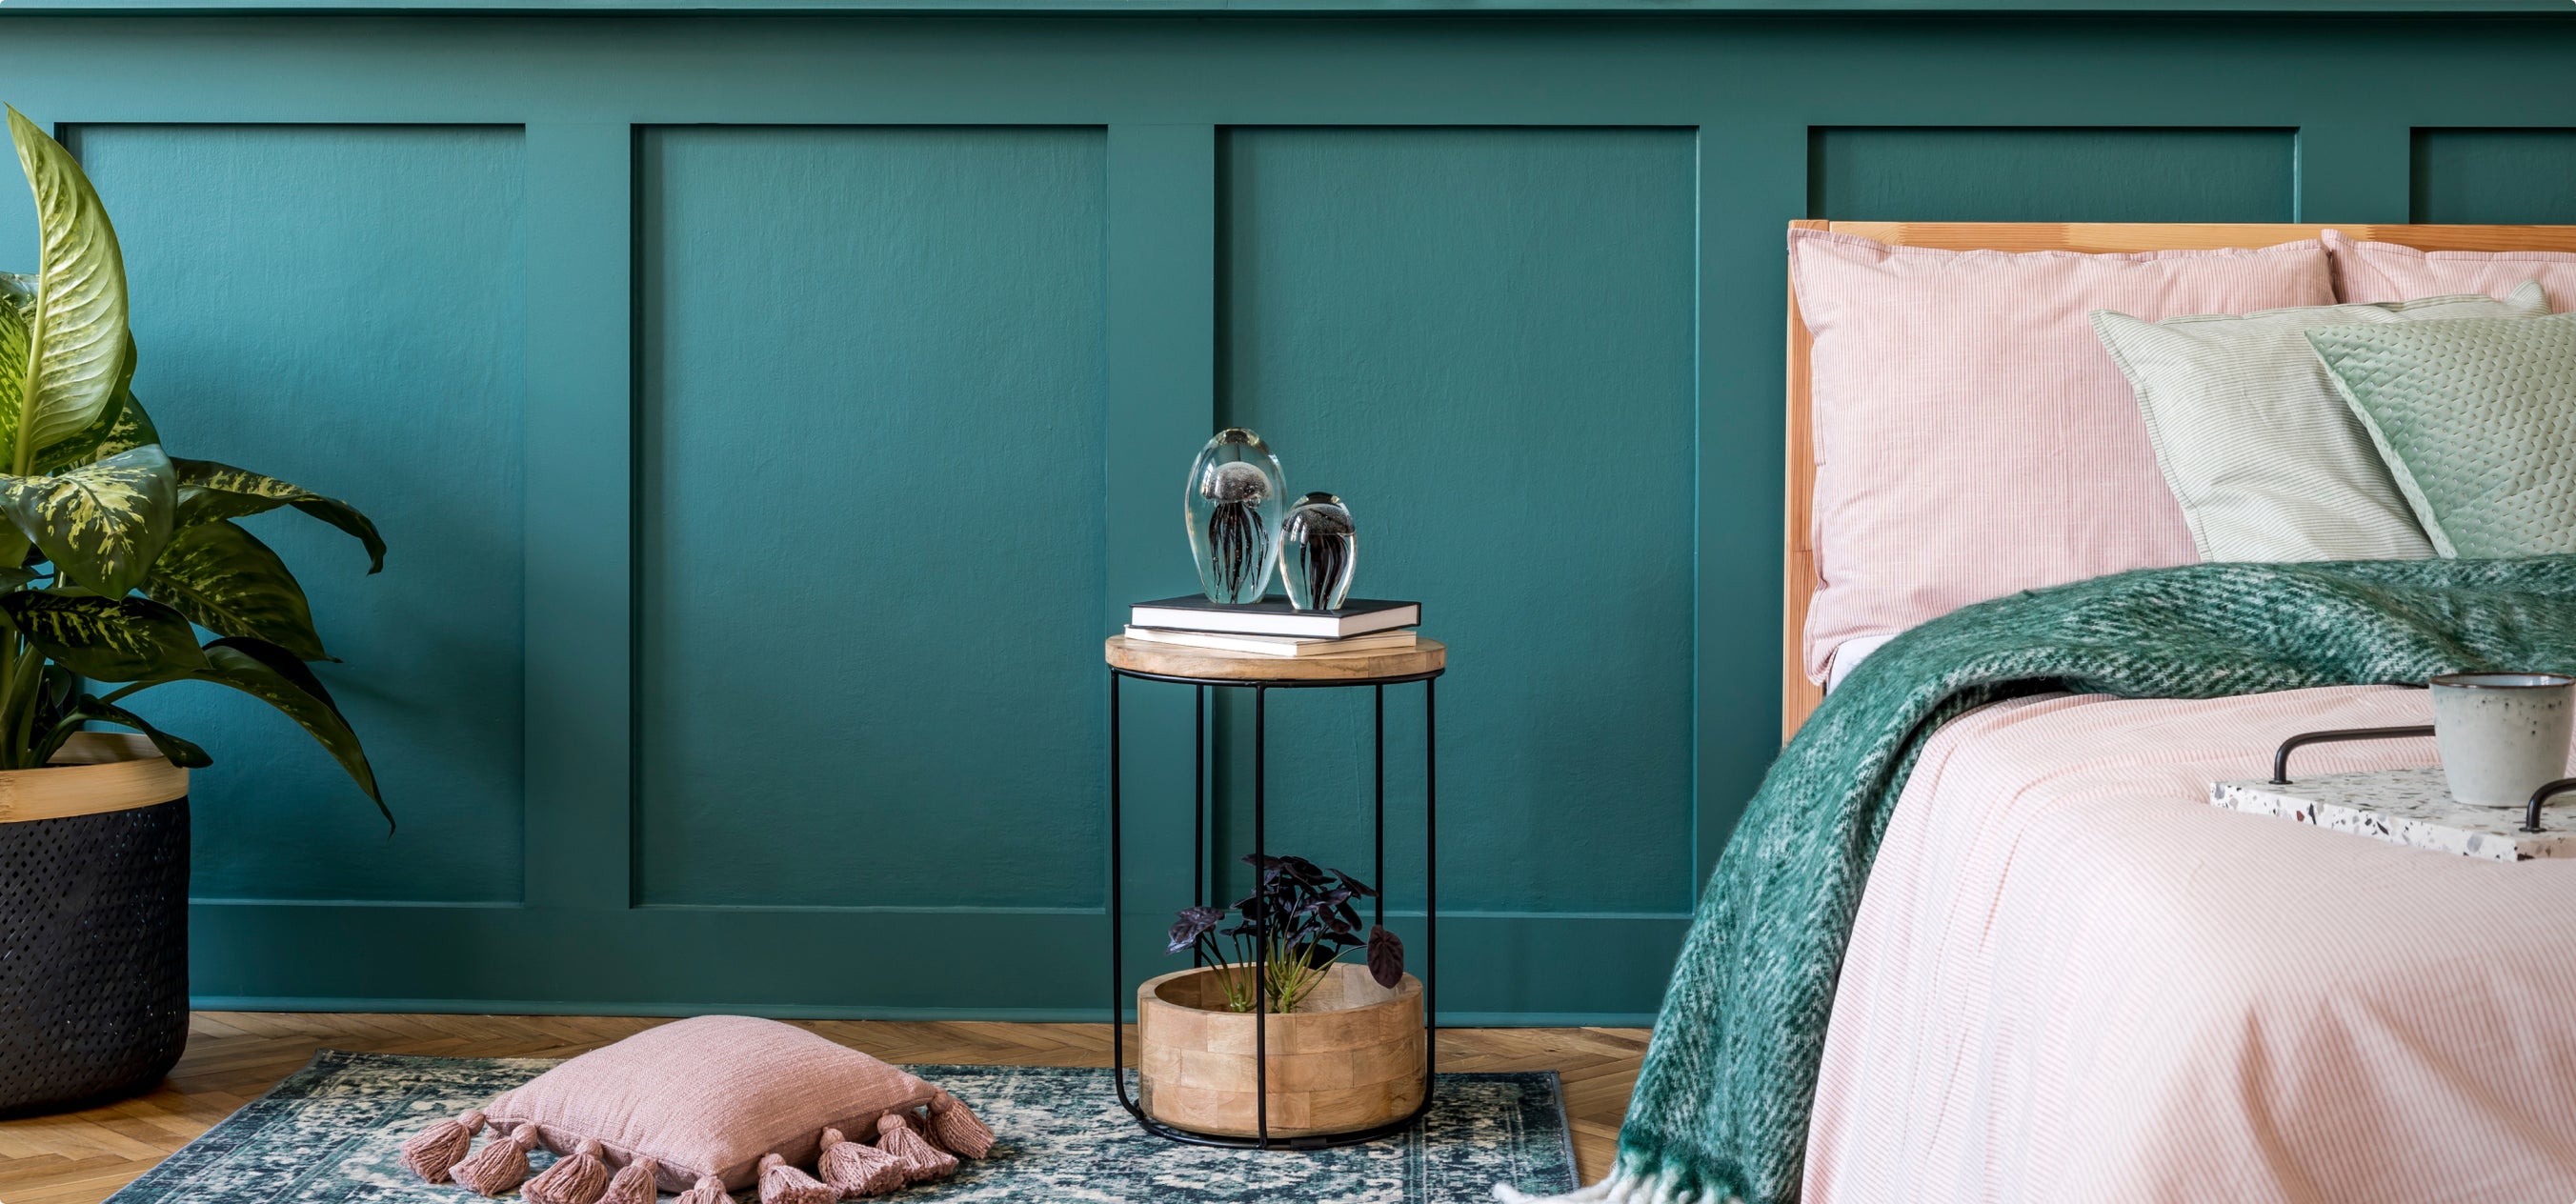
2531	818
2281	759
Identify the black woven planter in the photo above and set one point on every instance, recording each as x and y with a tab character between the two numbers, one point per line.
93	955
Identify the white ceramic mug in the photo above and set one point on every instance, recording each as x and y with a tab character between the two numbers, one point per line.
2502	735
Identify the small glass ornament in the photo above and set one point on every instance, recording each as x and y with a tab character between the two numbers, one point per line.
1235	496
1319	550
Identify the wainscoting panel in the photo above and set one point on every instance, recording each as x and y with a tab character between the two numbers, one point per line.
1481	340
869	480
2482	176
342	307
771	414
2054	175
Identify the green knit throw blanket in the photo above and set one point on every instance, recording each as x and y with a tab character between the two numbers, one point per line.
1721	1109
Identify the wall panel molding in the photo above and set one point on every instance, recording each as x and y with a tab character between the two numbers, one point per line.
2045	173
1482	340
369	346
2475	175
580	515
870	542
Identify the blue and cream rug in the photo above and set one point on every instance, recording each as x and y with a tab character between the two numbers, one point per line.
330	1134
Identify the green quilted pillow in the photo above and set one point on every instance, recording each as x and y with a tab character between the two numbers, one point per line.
2477	420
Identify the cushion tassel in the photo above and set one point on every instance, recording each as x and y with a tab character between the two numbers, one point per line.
856	1170
710	1190
433	1151
784	1184
955	1129
579	1178
921	1160
500	1165
634	1183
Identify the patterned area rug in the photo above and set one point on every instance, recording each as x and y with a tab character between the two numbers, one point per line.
329	1135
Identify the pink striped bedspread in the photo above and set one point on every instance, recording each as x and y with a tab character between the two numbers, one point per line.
2072	979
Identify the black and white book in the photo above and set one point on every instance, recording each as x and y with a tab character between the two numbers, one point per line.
1273	645
1273	616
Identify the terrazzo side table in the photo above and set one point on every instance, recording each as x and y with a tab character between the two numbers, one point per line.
1202	669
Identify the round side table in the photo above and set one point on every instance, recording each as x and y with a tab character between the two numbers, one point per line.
1203	668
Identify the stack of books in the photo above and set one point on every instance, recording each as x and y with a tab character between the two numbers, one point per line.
1271	627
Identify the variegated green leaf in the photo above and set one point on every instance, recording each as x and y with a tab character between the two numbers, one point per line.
106	639
121	426
230	583
88	709
77	346
132	429
273	675
122	418
102	524
17	310
209	491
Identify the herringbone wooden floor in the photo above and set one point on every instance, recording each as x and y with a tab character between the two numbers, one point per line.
84	1157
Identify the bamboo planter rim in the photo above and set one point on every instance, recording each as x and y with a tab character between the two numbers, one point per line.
1151	990
1337	1070
95	772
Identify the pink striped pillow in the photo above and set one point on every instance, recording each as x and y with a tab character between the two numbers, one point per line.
2370	272
1972	437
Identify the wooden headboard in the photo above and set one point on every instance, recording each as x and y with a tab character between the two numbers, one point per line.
1798	696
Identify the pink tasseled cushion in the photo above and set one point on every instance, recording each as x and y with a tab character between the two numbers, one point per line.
711	1096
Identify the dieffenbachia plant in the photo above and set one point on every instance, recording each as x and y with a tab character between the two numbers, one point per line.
115	553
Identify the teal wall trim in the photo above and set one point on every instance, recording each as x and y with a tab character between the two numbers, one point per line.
871	528
2113	175
770	414
301	367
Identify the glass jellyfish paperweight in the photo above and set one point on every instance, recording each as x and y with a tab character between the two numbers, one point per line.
1235	498
1319	549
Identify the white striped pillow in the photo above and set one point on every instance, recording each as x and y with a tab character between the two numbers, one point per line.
2260	451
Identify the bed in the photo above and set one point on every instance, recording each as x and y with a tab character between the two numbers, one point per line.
1979	935
2070	978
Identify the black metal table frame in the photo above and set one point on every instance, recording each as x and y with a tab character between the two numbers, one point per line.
1201	857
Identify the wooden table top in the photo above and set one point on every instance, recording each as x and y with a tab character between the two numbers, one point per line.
1175	660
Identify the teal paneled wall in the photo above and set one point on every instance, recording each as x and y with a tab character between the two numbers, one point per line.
870	532
2053	175
2481	176
1481	340
770	415
343	307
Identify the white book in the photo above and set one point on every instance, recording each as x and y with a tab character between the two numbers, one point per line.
1273	616
1273	645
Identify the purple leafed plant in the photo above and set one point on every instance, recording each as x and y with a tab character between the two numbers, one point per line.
1295	924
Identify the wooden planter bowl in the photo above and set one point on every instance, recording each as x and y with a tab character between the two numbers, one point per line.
1349	1058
